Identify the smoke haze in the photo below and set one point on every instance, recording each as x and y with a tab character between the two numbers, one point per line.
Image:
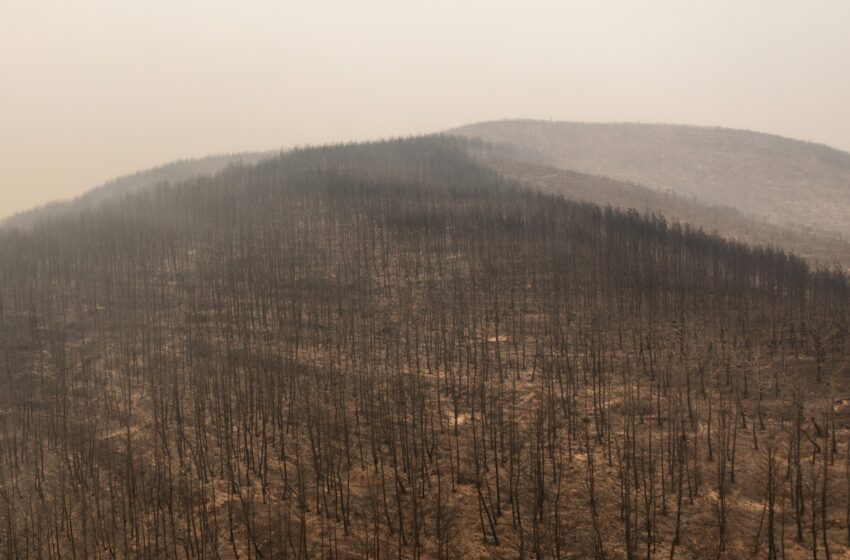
92	90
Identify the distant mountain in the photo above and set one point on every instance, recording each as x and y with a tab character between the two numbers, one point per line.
817	248
174	172
786	181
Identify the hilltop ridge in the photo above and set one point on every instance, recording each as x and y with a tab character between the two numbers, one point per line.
784	180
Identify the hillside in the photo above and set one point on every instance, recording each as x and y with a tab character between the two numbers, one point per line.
787	181
819	249
174	172
389	350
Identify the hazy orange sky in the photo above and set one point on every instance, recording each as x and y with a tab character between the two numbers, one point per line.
92	89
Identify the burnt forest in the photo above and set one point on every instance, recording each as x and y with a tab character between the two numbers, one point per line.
395	350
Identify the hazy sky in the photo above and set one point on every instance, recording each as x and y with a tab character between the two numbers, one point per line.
92	89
